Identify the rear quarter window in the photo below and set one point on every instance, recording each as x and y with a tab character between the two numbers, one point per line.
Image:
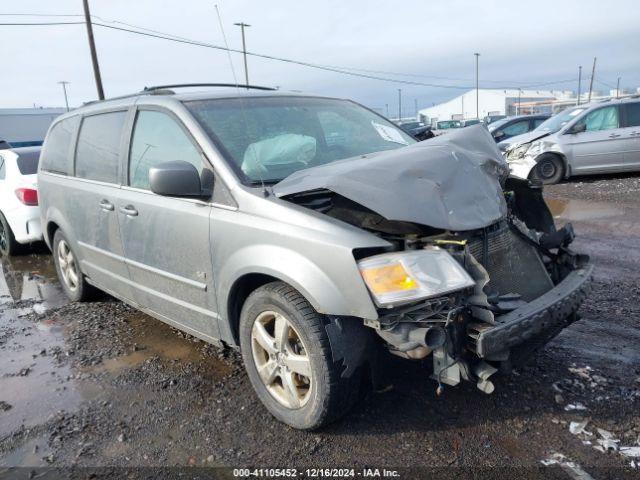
28	163
56	153
633	114
98	150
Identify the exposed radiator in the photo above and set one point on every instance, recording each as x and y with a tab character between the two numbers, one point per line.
514	266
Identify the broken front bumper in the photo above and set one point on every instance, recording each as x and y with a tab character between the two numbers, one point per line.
551	311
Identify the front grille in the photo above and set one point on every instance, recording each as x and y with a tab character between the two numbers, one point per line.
514	266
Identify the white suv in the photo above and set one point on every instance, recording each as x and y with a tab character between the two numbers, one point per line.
19	211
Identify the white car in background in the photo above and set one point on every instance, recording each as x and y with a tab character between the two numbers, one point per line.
19	211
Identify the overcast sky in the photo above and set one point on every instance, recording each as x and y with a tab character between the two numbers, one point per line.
520	43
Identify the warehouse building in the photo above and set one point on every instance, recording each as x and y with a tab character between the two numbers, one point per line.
491	102
22	127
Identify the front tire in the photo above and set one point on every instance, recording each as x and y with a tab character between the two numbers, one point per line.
68	270
289	361
549	169
8	244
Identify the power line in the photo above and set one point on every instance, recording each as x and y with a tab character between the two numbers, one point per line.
280	59
352	71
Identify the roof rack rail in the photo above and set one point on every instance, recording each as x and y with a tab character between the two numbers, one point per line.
165	89
187	85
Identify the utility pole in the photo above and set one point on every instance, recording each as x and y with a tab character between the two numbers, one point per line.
64	89
477	89
386	105
415	104
92	47
519	93
399	104
579	83
618	88
593	72
242	25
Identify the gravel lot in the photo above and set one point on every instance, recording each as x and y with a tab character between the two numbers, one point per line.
100	384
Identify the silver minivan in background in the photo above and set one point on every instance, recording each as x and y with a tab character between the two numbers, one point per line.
583	140
311	233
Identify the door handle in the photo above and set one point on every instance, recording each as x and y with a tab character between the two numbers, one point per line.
129	210
106	205
614	135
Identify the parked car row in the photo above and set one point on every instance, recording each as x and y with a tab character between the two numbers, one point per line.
500	128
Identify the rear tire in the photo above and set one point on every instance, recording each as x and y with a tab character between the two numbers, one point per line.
70	276
303	360
8	244
549	169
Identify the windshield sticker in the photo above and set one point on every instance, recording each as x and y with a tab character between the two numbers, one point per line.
389	134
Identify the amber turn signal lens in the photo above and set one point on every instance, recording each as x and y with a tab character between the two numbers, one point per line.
388	278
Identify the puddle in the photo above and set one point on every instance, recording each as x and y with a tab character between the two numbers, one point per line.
31	454
32	280
33	383
152	338
580	210
37	381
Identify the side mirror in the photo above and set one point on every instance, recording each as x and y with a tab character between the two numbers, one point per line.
578	128
498	134
176	179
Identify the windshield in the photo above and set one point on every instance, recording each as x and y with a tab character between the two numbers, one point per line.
449	124
558	121
410	125
269	138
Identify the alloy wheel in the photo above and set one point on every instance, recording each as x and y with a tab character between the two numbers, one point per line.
547	169
281	359
68	266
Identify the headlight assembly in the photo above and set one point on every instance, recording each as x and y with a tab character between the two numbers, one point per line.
518	152
397	278
536	149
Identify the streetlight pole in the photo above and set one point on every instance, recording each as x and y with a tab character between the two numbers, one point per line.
477	89
618	88
64	89
92	47
399	105
579	83
242	25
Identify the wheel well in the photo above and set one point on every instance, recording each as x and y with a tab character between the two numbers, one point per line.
239	292
51	230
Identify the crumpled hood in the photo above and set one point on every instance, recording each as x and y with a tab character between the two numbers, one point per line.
450	182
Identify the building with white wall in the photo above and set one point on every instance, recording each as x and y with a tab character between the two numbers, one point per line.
490	102
26	126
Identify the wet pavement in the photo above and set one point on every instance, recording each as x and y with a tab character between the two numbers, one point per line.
102	384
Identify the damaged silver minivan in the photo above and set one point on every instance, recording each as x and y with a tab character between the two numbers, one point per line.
311	233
